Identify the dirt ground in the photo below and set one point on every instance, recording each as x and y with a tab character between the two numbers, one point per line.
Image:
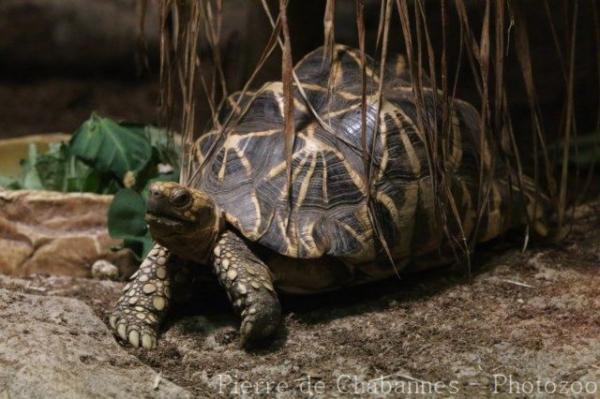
524	324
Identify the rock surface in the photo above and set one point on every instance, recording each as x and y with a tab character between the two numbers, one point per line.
54	347
55	233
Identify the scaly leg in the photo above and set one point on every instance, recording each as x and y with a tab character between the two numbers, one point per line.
249	286
138	313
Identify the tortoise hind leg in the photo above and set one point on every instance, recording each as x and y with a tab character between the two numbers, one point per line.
249	286
144	302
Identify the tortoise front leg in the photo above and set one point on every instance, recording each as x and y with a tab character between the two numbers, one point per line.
144	302
249	286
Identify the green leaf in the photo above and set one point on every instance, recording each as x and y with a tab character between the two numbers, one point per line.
51	167
149	172
126	221
31	179
126	215
140	245
168	151
9	183
81	178
111	147
111	188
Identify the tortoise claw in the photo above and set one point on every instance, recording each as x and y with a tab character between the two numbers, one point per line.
148	341
122	331
131	329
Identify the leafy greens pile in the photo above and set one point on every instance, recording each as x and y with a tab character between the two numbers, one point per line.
106	157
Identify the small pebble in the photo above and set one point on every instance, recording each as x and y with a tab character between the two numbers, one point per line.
104	270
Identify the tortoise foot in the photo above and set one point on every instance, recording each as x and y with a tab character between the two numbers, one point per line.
249	286
144	302
260	319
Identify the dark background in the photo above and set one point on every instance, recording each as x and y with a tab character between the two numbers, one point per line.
62	59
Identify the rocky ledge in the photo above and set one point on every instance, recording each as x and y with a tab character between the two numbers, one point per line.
56	233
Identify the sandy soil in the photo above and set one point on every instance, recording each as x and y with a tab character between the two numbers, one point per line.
522	324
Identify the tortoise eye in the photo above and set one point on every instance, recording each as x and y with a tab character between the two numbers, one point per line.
180	198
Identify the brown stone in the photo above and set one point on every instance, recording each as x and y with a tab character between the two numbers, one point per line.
56	233
56	347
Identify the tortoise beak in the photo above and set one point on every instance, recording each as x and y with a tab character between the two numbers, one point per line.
160	208
158	203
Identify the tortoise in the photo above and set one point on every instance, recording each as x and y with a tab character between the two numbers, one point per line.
327	231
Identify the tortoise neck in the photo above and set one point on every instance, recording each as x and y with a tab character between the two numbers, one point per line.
201	247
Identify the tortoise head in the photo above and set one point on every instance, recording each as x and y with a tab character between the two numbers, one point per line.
184	220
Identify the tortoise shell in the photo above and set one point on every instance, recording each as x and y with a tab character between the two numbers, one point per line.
243	168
